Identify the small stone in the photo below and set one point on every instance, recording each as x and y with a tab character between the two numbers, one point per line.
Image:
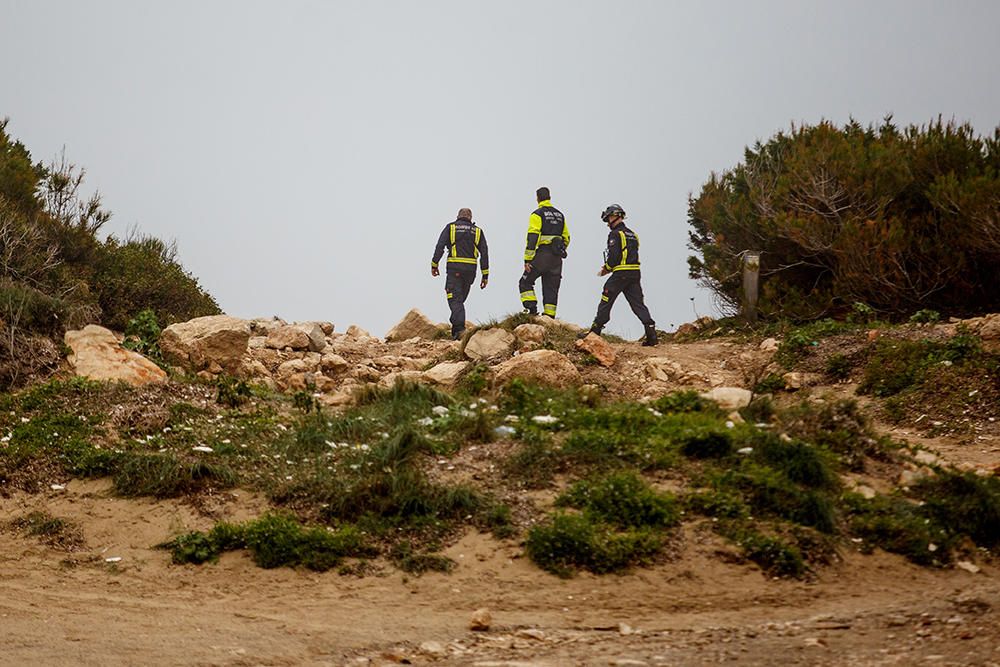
531	633
814	641
625	629
432	648
967	566
57	487
481	620
769	345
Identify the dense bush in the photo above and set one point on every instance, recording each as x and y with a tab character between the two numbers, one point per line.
893	220
56	274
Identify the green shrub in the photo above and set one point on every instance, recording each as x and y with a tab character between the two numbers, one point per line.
143	273
838	366
894	219
772	383
898	526
232	392
409	558
712	445
925	316
896	365
142	334
622	499
164	476
775	556
964	504
568	542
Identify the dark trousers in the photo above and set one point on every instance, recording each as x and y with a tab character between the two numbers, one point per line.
627	283
457	284
547	266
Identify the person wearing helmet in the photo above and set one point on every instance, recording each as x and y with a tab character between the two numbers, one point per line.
544	251
621	260
466	243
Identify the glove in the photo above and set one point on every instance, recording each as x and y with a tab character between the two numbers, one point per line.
435	272
482	284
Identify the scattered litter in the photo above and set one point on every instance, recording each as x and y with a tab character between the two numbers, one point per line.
202	448
57	487
439	410
426	421
113	559
745	450
504	431
730	424
545	419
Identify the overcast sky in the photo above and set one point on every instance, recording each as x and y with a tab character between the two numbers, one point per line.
305	155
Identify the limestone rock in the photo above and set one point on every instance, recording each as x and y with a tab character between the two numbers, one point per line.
197	343
990	332
288	336
446	374
489	344
729	398
663	369
481	620
333	363
257	343
414	325
553	323
530	333
354	331
541	366
769	345
98	355
795	380
262	327
599	348
390	379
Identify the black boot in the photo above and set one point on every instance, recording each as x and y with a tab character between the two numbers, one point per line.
591	330
530	311
457	335
650	338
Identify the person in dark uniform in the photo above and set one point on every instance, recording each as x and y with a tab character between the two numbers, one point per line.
621	260
466	244
544	251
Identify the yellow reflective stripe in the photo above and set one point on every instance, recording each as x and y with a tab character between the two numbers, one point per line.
624	248
528	296
449	295
529	255
606	266
475	249
461	260
434	263
565	233
544	240
604	298
550	309
486	272
626	267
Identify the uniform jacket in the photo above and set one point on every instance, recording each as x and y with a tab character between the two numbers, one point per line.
622	253
546	224
466	243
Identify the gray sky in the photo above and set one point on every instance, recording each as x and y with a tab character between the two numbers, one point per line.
305	155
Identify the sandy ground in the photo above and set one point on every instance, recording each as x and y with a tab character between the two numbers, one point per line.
77	608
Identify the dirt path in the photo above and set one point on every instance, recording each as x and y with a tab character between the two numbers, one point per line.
141	610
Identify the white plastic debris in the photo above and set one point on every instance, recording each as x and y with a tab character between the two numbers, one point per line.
439	410
57	487
504	431
113	559
745	450
426	421
545	419
202	448
730	424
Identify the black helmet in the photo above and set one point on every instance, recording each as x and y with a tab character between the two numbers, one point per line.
612	210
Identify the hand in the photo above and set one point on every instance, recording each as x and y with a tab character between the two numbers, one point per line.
527	267
603	272
435	272
483	283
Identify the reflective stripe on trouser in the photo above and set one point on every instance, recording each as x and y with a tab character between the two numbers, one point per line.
548	267
627	283
457	284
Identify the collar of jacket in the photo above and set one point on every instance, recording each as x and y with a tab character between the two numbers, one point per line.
461	219
544	203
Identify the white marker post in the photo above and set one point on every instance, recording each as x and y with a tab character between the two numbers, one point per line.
751	273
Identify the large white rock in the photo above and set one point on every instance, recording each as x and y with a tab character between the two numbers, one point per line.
448	373
542	366
729	398
98	355
489	344
415	325
198	343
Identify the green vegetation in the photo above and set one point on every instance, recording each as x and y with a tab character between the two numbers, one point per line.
895	365
856	220
273	540
57	274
